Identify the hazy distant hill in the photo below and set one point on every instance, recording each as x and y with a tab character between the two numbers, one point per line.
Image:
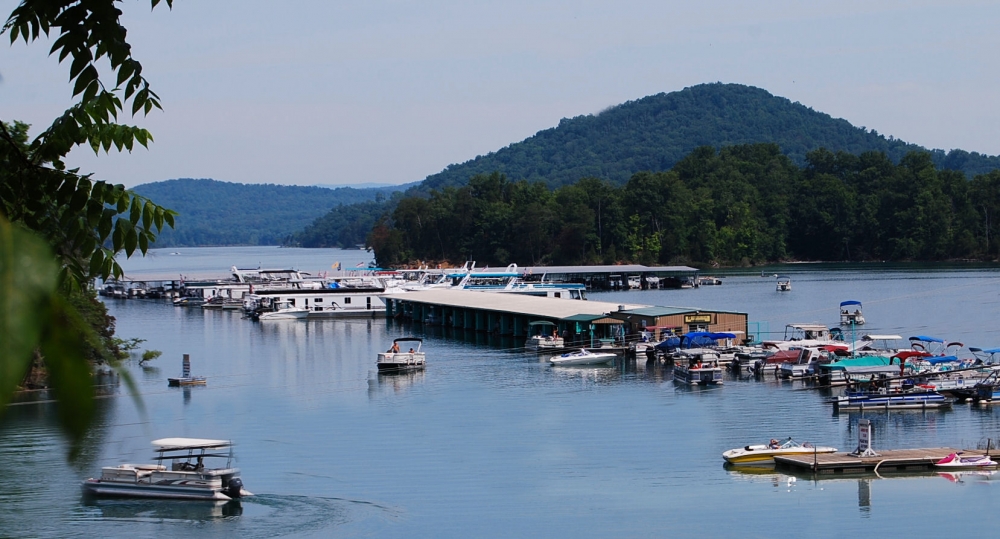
655	132
223	213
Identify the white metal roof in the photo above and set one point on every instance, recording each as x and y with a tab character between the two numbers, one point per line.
512	303
617	269
192	443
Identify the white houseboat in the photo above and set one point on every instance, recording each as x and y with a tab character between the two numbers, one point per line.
321	302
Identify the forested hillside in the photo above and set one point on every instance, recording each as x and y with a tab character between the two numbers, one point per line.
739	205
222	213
655	132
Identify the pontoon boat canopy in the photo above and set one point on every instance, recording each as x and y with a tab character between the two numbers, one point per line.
850	302
171	444
881	337
925	338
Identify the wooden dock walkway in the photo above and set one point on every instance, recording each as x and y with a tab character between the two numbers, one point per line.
888	461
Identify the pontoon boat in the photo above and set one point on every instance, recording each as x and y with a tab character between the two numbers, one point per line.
179	473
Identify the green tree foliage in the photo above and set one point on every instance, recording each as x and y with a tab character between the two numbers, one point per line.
224	213
60	229
739	205
654	133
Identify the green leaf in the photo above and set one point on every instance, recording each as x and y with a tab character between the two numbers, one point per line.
87	76
131	241
69	371
28	274
147	214
107	221
96	261
136	211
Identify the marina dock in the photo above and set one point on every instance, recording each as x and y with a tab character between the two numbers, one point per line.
887	461
592	324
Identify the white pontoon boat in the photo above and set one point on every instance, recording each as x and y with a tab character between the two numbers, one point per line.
394	360
179	473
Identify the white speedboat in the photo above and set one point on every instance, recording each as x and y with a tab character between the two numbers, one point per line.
765	453
583	357
180	473
395	360
544	336
284	311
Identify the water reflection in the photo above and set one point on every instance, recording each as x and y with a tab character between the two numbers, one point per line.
127	509
399	381
962	476
865	497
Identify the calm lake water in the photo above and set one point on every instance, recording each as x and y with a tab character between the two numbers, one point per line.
490	441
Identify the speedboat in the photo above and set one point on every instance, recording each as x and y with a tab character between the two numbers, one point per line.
179	473
765	453
956	460
394	360
583	357
284	311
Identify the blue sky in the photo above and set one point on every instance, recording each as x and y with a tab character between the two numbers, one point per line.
318	92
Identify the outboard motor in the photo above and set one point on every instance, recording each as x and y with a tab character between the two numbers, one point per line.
234	488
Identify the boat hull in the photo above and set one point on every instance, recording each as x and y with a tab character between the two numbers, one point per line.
766	456
579	359
902	401
97	487
698	377
284	315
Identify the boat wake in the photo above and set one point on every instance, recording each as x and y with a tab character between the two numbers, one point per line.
258	516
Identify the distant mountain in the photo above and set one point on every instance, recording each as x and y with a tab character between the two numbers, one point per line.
368	185
655	132
223	213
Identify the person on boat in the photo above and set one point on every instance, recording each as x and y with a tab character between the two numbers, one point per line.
395	348
411	350
200	465
697	365
774	444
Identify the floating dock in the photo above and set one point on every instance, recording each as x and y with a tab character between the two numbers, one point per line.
593	324
888	461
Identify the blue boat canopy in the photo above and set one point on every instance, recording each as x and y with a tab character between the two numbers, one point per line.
694	339
784	278
850	302
925	338
935	360
992	351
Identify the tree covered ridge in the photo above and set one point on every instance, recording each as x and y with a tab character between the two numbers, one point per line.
212	212
739	205
656	132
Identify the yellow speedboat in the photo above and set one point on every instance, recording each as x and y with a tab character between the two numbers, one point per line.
765	453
